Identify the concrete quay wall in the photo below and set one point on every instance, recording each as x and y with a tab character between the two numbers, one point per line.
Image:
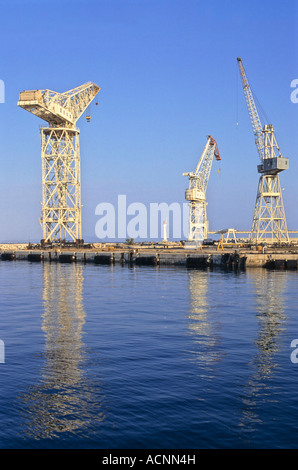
188	258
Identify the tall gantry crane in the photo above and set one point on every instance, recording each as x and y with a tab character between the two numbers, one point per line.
196	192
269	220
60	154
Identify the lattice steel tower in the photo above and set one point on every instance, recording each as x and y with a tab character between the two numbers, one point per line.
269	220
60	154
196	192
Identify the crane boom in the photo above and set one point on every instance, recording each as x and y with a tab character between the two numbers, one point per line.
200	177
59	109
272	162
253	112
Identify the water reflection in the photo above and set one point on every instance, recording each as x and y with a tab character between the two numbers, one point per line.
64	400
269	287
203	328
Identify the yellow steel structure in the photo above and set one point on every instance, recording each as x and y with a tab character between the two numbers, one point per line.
196	192
60	154
269	220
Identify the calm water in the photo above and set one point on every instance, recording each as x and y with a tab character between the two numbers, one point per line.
143	357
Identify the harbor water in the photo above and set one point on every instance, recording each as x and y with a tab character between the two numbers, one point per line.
145	357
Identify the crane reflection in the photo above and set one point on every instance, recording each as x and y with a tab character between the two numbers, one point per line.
64	400
269	288
203	326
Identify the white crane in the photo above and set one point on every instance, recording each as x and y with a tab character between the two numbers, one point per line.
269	220
196	192
60	153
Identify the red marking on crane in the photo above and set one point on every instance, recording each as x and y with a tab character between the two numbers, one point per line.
216	151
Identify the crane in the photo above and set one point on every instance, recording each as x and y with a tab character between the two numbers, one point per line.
269	220
60	154
196	192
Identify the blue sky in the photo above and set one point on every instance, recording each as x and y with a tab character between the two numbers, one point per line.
168	76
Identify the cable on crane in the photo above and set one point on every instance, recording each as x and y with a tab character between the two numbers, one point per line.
259	106
88	113
237	107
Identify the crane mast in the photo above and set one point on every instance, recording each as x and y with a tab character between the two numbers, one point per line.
269	220
60	154
196	192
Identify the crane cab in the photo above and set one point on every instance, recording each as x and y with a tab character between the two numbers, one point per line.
194	194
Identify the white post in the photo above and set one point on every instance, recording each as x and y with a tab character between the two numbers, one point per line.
165	231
